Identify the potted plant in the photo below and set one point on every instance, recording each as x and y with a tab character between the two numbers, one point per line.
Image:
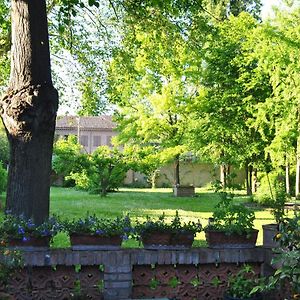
161	234
286	260
93	233
242	286
231	226
24	234
270	231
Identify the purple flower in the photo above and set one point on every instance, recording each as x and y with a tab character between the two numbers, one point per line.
45	232
127	229
21	230
100	231
30	224
25	239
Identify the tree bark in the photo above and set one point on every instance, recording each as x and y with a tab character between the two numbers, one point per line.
28	111
287	177
176	171
254	181
247	179
223	175
250	180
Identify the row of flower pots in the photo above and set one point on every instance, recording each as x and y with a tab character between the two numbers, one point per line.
230	227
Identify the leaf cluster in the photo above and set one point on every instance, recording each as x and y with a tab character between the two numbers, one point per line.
161	225
241	285
231	218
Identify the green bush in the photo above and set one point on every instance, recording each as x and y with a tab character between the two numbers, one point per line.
104	171
268	188
3	178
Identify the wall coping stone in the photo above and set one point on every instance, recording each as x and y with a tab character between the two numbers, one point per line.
125	257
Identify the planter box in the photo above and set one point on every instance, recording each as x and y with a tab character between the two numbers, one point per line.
184	191
95	242
168	241
220	240
182	240
269	232
32	244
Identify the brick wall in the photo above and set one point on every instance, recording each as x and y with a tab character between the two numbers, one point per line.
198	273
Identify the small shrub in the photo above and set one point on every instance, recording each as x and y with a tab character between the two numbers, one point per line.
231	218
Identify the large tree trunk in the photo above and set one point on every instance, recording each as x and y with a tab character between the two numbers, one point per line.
28	111
176	171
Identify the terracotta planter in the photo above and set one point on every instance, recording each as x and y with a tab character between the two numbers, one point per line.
269	232
168	240
31	244
182	240
95	242
219	240
157	240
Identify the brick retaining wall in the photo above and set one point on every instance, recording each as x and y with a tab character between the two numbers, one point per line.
197	273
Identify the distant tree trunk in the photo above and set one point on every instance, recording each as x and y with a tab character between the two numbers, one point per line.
223	175
250	180
254	181
176	171
287	177
297	186
248	171
28	111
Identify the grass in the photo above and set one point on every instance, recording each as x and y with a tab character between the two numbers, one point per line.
69	203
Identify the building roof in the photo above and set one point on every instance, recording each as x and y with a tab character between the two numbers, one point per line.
99	122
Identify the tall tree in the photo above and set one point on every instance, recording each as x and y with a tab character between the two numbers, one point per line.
222	128
277	48
28	111
149	83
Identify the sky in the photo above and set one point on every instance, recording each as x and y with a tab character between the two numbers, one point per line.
267	7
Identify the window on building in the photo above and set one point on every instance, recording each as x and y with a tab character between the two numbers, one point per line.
97	141
84	141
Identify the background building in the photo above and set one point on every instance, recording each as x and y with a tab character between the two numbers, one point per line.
92	132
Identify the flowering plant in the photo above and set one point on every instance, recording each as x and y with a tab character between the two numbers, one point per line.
160	225
93	225
18	227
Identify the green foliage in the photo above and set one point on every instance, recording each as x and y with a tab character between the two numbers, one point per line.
99	226
231	218
287	258
222	129
108	168
4	146
3	179
271	192
68	157
5	43
14	227
241	285
10	261
161	225
102	172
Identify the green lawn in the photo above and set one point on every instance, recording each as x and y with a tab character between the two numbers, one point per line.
69	203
